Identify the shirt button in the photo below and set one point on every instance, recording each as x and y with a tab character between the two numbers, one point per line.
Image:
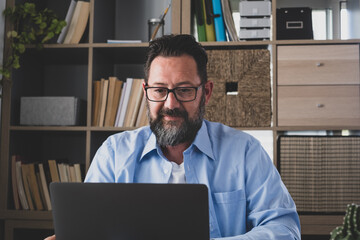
165	170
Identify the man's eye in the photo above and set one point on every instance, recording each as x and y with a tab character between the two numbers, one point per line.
184	90
159	90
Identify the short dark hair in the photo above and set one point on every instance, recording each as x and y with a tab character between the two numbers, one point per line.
175	46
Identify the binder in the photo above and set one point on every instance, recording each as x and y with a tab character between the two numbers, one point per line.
209	23
200	20
218	21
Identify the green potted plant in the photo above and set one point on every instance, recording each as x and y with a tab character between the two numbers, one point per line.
350	230
29	26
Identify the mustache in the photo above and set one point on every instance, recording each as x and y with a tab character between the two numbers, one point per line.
173	113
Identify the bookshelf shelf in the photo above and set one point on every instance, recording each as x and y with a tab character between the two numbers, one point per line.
49	128
71	69
27	215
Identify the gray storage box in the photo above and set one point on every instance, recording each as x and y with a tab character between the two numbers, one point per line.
254	33
45	111
255	22
255	8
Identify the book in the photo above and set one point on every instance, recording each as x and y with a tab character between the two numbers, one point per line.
68	18
14	183
20	185
110	101
26	183
96	103
138	98
133	103
63	172
78	176
209	23
115	106
78	22
103	101
229	21
218	21
142	119
30	176
122	41
54	172
200	20
125	103
72	177
121	103
44	186
35	186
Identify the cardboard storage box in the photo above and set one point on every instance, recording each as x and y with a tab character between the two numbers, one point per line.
49	111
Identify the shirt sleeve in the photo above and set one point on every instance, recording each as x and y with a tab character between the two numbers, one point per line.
271	212
102	166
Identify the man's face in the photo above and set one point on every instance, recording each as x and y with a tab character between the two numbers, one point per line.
175	122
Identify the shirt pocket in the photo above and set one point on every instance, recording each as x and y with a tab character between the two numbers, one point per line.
230	208
229	197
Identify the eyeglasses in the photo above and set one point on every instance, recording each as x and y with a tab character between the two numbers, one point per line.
182	94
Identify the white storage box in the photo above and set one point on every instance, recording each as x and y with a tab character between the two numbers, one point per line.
255	8
254	33
49	111
255	22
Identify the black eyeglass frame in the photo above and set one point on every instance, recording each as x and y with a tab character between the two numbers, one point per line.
173	91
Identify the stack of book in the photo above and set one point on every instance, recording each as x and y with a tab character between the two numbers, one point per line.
30	181
118	104
76	21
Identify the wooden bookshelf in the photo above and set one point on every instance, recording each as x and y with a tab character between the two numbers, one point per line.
70	69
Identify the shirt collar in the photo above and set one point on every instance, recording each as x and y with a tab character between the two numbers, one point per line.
202	142
150	145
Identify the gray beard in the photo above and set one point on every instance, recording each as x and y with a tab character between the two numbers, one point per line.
171	134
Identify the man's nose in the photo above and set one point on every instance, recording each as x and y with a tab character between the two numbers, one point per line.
171	101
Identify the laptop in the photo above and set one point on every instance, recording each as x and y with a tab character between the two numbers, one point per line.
130	211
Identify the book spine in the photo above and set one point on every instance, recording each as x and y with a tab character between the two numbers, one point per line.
219	21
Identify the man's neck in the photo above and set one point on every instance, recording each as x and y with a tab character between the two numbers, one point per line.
175	153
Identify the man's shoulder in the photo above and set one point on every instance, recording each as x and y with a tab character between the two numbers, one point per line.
221	131
142	133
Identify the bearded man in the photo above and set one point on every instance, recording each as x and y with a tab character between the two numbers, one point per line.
247	199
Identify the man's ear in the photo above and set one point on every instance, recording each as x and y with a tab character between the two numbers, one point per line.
143	86
208	90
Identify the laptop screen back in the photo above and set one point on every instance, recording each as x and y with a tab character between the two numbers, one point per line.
130	211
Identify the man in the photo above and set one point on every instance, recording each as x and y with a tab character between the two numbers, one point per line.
247	197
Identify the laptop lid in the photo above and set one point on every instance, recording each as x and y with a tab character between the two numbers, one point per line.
130	211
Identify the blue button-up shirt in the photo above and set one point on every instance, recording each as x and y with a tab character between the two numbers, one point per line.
247	199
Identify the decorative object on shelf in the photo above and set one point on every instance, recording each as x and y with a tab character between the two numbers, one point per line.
49	111
242	91
350	230
29	26
294	23
155	25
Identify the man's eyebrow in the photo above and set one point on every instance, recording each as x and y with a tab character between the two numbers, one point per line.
176	85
